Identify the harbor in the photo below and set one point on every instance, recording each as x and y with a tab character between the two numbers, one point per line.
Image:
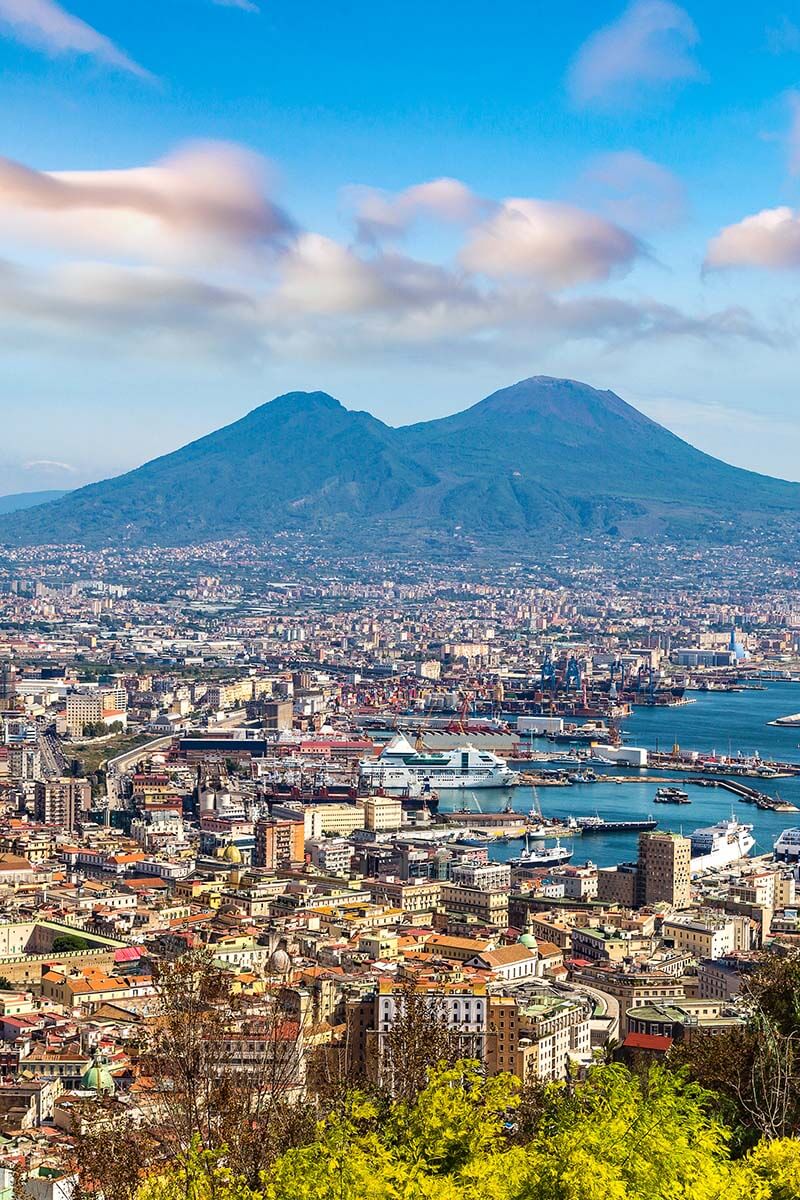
718	724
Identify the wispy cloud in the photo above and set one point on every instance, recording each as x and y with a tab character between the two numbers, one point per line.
783	37
244	5
381	215
45	25
48	464
633	190
650	44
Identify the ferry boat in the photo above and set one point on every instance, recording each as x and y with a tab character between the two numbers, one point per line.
787	847
721	844
399	764
672	795
597	824
544	856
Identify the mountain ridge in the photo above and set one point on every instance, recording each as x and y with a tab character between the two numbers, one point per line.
544	457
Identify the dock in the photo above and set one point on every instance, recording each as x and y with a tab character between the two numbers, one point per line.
747	794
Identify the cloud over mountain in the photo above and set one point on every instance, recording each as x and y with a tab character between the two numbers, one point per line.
195	252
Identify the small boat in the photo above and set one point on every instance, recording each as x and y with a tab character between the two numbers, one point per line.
551	829
545	856
471	837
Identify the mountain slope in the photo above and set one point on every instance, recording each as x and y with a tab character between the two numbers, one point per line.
545	458
301	458
16	501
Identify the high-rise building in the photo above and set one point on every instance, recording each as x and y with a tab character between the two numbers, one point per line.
664	875
279	843
62	802
104	707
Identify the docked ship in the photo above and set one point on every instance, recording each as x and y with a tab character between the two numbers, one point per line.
399	765
597	824
787	847
672	795
721	844
544	856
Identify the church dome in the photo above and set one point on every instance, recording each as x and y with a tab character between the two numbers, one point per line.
232	854
97	1077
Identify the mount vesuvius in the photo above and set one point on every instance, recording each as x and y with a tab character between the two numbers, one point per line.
539	461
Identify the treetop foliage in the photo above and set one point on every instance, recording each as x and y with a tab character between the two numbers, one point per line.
621	1136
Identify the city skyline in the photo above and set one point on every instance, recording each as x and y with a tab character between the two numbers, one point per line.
405	212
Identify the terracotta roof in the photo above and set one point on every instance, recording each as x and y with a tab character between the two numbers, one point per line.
647	1041
504	955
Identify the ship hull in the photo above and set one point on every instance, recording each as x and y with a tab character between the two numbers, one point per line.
724	856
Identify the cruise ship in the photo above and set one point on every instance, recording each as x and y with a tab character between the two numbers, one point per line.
787	847
720	845
399	765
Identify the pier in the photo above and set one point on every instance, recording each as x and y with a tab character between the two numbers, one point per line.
747	794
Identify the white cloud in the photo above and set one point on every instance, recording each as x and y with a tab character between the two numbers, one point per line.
770	238
329	304
382	214
651	44
556	244
45	25
169	258
205	199
783	37
633	190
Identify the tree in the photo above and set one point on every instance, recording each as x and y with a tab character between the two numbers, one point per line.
775	1168
420	1038
69	941
224	1070
756	1069
615	1138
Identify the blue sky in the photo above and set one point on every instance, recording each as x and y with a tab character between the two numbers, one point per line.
205	204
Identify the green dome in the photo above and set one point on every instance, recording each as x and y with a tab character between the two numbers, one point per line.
97	1077
527	939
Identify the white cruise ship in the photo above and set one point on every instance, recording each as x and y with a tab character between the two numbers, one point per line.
399	766
721	844
787	847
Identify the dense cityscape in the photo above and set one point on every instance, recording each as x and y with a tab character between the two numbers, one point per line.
399	600
338	789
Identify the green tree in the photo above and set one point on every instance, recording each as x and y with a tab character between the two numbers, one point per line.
69	941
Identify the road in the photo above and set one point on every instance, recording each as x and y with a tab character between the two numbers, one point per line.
606	1005
116	767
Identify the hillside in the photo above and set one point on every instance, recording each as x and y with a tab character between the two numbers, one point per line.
545	458
16	501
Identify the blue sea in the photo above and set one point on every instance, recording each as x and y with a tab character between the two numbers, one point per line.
715	721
